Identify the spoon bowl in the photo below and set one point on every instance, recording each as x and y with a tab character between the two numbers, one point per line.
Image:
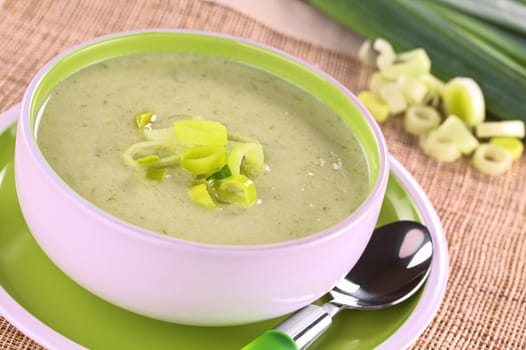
394	265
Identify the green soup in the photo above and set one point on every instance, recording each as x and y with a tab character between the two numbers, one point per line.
316	172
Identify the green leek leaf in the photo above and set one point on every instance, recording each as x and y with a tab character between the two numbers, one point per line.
455	50
221	174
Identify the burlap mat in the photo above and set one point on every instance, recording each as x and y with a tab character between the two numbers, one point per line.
484	218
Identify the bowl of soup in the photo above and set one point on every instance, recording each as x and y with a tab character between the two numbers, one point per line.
196	177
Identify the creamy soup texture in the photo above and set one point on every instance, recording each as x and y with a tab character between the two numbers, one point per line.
316	173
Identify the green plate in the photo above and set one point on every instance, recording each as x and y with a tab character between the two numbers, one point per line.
52	309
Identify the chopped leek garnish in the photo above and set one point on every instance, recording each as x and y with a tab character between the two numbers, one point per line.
463	98
419	120
160	134
156	173
143	119
148	160
375	105
237	189
491	159
246	158
169	161
508	128
439	147
200	160
221	174
200	147
511	144
142	148
201	132
201	196
454	129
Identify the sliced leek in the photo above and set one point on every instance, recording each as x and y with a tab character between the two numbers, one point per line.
201	132
507	128
143	119
491	159
454	129
238	189
169	161
391	94
366	53
377	81
435	88
419	119
511	144
201	196
200	160
157	174
412	63
148	160
412	88
457	43
142	149
439	147
463	98
378	108
386	54
406	83
246	158
379	53
164	134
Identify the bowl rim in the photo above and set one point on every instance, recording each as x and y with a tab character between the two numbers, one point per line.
375	195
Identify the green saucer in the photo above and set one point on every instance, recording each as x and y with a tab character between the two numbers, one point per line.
63	309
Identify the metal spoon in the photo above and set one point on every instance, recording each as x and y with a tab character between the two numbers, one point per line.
393	266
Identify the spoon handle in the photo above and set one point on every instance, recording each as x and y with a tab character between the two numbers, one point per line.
298	331
272	339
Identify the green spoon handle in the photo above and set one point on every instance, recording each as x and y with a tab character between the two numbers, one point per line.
298	331
272	339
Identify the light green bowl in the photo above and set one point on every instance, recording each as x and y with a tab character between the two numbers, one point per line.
180	281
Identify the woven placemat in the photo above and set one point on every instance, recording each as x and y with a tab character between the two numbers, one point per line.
483	217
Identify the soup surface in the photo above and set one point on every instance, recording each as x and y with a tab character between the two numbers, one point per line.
316	173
